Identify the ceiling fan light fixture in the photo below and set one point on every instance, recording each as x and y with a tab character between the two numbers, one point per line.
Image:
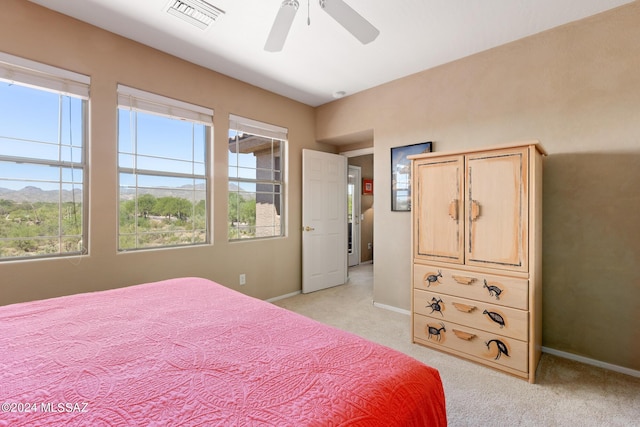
196	12
294	3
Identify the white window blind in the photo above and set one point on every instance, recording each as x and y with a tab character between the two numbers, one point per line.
22	71
255	127
136	99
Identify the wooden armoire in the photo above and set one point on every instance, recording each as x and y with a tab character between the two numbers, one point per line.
477	255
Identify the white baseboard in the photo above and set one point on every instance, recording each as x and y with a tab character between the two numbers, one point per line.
292	294
593	362
392	308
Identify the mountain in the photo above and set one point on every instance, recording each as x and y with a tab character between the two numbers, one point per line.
34	194
130	193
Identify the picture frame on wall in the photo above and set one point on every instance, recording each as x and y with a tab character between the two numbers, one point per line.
401	174
367	187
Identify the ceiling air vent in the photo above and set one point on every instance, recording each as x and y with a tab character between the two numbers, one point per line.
196	12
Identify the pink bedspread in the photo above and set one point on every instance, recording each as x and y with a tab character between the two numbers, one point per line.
190	352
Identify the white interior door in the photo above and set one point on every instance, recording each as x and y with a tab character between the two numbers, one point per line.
353	215
324	223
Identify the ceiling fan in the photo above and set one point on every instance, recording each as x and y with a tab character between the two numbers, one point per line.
351	20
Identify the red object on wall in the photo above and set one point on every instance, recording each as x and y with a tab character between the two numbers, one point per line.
367	186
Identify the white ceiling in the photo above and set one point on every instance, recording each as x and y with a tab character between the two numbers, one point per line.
323	58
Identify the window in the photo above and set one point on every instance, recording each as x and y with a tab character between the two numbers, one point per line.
256	159
42	160
163	171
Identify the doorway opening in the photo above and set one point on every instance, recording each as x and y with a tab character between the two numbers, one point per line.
353	215
360	212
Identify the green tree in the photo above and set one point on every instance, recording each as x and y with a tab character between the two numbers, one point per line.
247	211
233	203
164	206
146	204
128	207
199	216
183	209
6	206
200	208
127	215
241	209
174	207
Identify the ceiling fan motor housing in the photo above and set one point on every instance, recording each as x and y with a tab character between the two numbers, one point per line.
293	3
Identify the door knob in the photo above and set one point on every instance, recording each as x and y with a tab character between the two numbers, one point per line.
307	228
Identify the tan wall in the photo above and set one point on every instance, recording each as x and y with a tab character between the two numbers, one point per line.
576	89
39	34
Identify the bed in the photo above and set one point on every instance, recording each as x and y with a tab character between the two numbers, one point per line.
190	352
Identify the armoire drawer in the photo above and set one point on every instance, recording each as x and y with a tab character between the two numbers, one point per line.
485	346
492	318
505	291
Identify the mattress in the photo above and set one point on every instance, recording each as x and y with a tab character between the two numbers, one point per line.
190	352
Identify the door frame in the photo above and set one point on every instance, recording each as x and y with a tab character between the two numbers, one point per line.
354	256
357	153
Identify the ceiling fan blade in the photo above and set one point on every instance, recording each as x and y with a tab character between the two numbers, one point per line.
351	20
281	26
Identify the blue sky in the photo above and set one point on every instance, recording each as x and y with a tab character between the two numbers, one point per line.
28	115
30	126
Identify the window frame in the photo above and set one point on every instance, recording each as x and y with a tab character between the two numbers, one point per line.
139	101
64	83
241	124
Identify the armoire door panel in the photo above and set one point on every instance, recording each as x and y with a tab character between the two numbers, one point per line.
496	209
440	205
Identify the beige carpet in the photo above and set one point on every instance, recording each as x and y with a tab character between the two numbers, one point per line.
567	393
